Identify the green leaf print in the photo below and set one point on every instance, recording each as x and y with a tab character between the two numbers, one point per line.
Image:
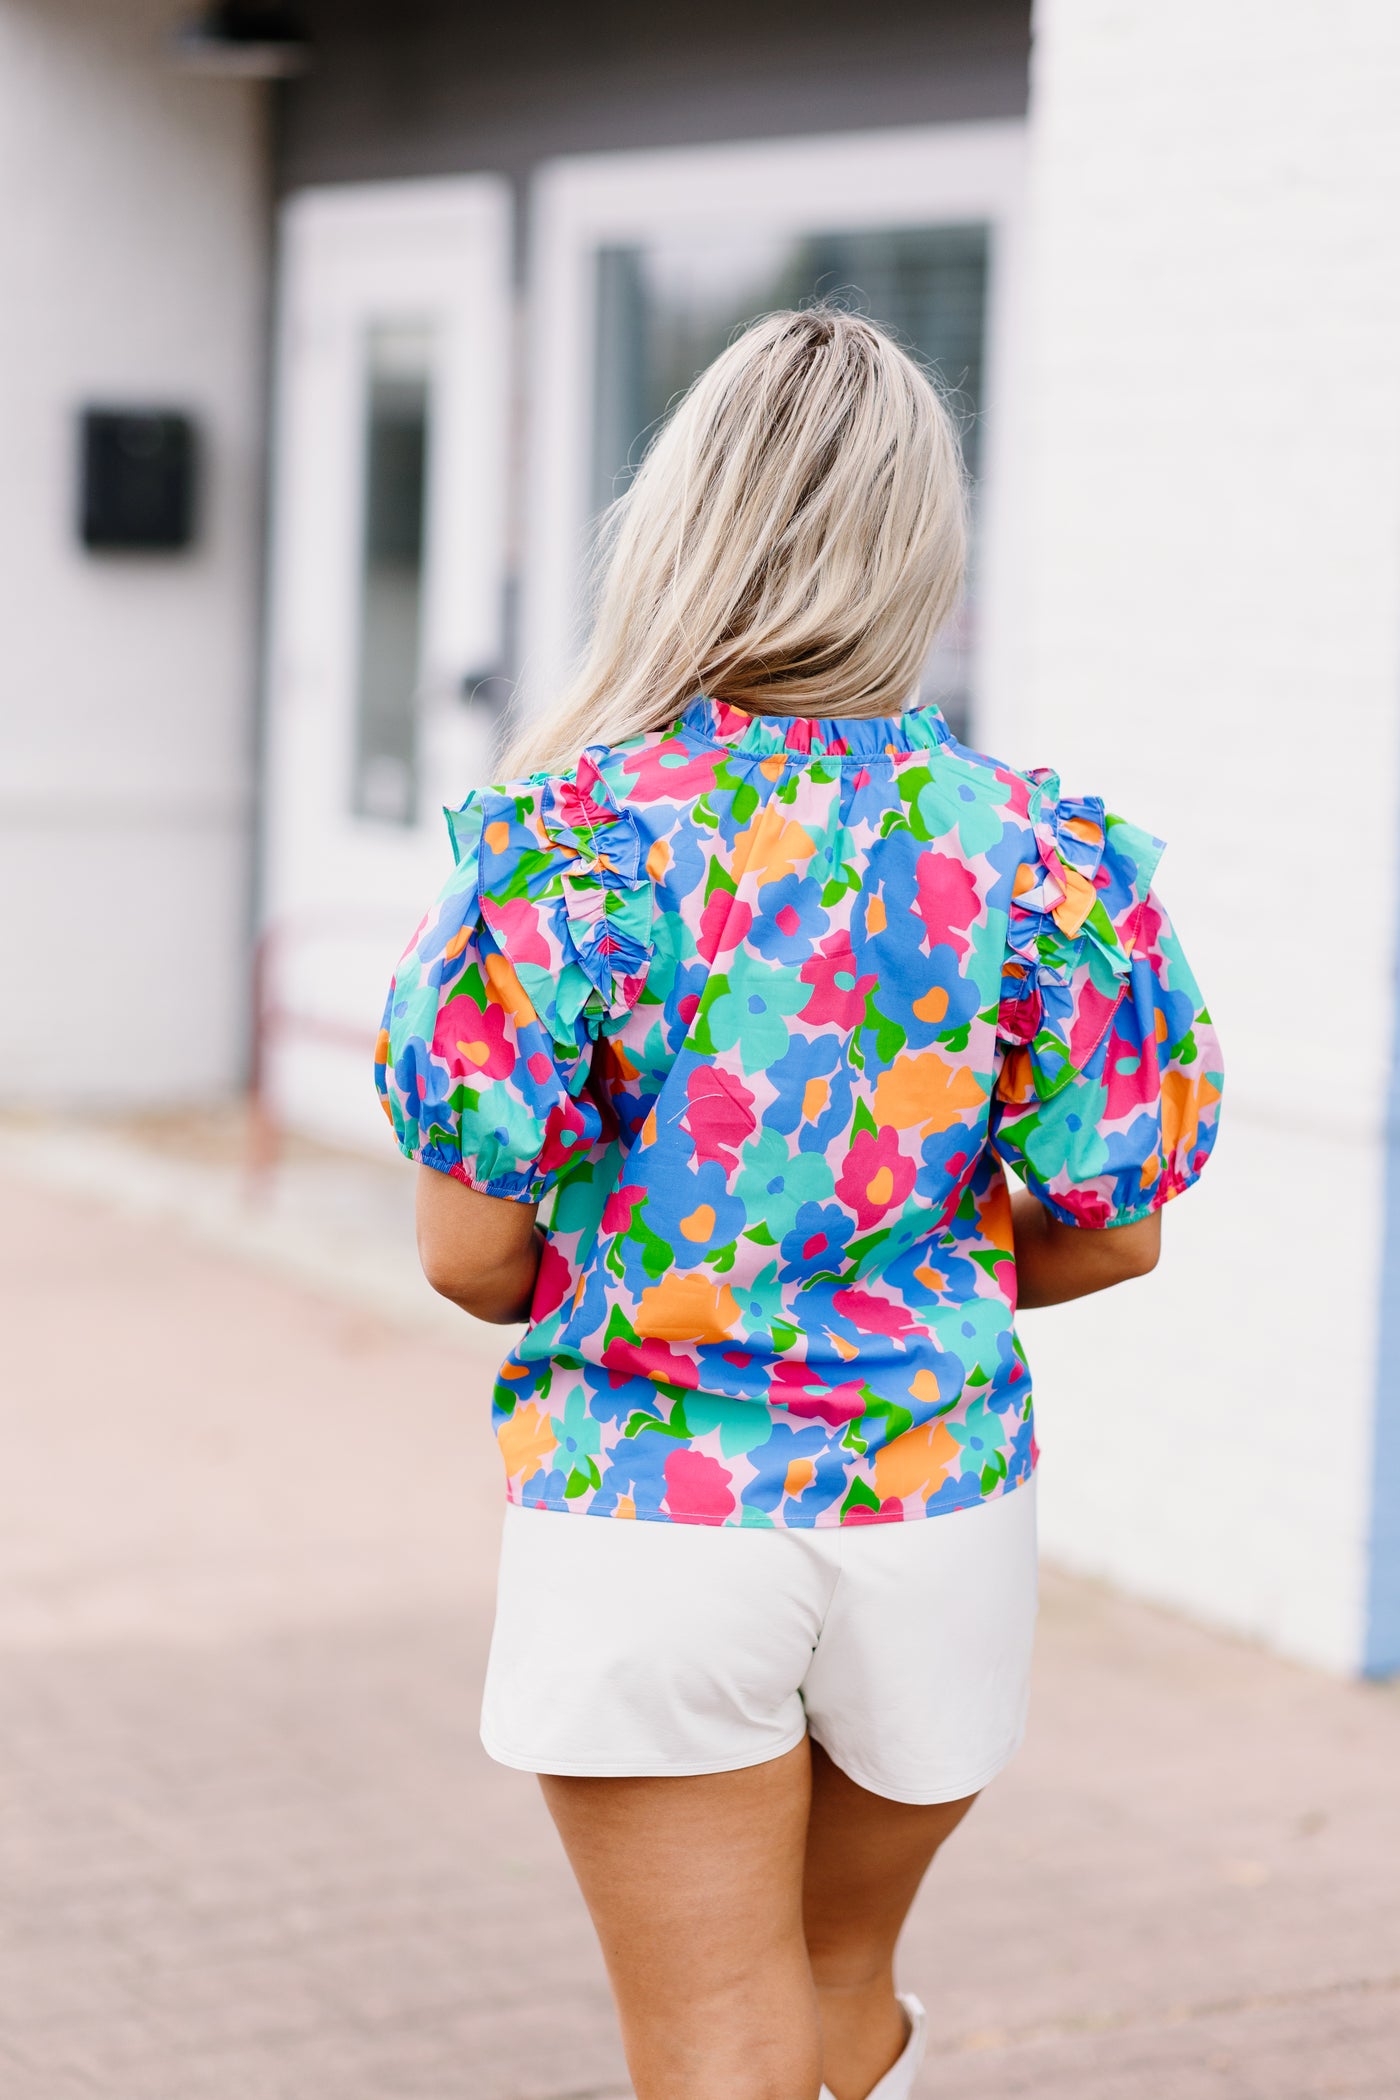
619	1327
889	1036
895	1418
990	1259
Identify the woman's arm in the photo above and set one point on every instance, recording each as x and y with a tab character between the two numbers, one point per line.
1055	1262
482	1252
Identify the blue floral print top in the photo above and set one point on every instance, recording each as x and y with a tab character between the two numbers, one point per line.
768	1005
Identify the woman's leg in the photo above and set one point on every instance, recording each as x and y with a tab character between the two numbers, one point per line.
695	1889
865	1859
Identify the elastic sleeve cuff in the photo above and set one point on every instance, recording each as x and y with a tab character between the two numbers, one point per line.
1111	1216
510	1188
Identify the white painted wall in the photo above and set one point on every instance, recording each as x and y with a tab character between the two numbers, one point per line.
1214	644
131	268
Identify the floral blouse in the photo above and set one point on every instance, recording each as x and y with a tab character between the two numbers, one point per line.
767	1006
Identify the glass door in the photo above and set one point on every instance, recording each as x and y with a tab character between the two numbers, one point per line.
667	306
649	264
398	400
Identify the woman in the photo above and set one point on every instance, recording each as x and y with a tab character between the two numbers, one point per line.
765	979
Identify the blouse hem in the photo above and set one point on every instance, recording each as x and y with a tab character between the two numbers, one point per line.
560	1506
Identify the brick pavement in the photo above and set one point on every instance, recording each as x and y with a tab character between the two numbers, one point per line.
251	1850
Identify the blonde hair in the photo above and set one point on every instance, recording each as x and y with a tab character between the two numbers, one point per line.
793	540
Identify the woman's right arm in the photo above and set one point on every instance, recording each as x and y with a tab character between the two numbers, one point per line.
1055	1262
482	1252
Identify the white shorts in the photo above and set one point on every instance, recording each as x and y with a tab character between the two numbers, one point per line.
631	1649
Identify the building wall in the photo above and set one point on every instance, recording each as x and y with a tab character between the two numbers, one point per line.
131	261
1214	644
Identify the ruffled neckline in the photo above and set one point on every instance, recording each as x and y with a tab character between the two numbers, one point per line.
854	738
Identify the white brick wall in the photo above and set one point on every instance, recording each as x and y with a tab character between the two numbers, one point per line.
1214	644
131	239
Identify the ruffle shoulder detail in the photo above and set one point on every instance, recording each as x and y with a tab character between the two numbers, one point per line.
563	889
1073	930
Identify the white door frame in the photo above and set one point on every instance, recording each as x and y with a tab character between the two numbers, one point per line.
947	173
342	891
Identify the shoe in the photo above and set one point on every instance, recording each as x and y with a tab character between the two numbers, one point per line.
898	2081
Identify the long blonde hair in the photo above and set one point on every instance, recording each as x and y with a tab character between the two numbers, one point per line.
793	540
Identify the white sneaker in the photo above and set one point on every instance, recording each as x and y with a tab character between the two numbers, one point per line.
898	2081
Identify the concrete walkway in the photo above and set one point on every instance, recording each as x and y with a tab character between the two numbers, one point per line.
251	1850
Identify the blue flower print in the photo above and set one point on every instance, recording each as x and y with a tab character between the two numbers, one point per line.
815	1241
792	920
813	1083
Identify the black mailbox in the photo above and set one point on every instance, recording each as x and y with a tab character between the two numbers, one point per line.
138	475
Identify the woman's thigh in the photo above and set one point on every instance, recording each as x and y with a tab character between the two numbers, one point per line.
695	1890
866	1857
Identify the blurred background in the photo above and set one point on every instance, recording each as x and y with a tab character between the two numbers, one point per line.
327	331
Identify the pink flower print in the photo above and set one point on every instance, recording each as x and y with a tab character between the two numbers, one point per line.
1085	1206
947	899
723	924
838	991
876	1177
651	1359
720	1115
697	1487
564	1135
515	922
803	1391
668	771
471	1040
874	1315
1092	1013
1018	791
617	1211
1131	1077
552	1284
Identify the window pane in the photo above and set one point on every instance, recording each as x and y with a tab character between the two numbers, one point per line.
397	417
667	307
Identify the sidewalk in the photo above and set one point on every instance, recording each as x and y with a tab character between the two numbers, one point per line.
250	1848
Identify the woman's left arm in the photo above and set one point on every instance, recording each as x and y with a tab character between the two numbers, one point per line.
1056	1262
482	1252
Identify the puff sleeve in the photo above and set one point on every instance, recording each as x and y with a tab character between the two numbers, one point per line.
537	944
1108	1089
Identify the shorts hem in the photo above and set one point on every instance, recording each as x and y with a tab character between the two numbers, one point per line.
630	1768
921	1797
